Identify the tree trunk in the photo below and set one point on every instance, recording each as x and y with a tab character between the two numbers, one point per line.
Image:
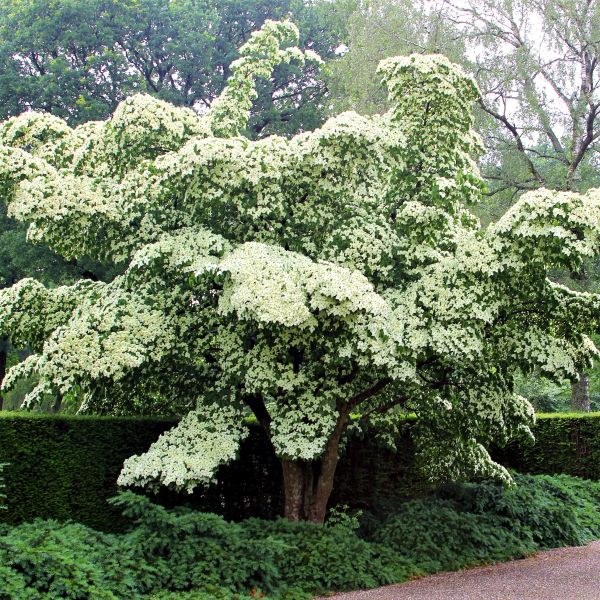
308	485
3	357
57	404
580	394
298	487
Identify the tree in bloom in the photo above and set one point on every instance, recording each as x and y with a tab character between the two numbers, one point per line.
332	278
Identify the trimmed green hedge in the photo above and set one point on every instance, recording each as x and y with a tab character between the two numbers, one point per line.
65	467
565	443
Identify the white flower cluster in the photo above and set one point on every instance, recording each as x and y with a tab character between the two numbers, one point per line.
258	57
340	268
190	453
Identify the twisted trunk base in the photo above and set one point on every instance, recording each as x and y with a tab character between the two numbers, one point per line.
308	484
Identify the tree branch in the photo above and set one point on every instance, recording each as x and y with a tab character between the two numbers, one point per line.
515	133
257	406
384	407
368	393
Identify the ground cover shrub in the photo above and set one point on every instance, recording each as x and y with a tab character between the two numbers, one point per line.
553	510
182	554
435	536
338	560
47	559
186	549
471	524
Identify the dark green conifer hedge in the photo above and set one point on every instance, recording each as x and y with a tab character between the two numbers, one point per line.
65	467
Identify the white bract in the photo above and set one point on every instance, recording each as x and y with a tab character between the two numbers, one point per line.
302	279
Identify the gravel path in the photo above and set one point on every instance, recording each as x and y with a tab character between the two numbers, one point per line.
561	574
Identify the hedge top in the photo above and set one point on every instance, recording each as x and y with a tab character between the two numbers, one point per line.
20	414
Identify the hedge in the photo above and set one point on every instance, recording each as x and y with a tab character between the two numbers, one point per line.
65	467
565	443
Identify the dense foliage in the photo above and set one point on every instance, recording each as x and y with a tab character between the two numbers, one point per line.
301	279
470	524
19	259
536	64
77	59
169	554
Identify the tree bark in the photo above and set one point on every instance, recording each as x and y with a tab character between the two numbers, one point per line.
3	358
57	404
308	484
580	394
297	487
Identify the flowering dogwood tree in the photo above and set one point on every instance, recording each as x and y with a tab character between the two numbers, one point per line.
312	281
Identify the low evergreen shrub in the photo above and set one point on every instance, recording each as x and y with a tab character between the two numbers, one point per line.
181	554
47	559
185	549
554	510
469	524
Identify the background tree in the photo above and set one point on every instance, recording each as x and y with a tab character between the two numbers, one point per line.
78	59
301	280
539	77
377	29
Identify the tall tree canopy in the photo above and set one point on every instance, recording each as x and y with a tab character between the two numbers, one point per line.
79	58
338	272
